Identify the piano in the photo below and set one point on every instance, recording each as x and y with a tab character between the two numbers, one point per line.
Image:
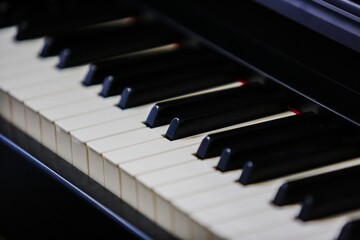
153	119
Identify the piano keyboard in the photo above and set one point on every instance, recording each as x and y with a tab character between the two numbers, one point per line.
193	141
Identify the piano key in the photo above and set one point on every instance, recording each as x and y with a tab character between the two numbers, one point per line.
145	37
232	193
33	106
146	165
171	75
19	95
53	20
340	198
295	191
292	231
183	127
162	113
120	141
29	81
212	145
236	156
6	34
304	158
49	116
26	68
147	62
9	46
80	138
161	177
165	194
54	44
180	84
65	126
351	230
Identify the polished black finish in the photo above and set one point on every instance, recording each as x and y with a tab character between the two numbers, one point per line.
88	35
350	231
184	82
339	199
133	38
144	63
295	191
270	131
162	113
166	76
270	44
250	109
299	158
236	156
41	17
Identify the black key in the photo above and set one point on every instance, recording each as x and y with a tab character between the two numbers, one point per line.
92	34
144	63
242	112
172	86
270	131
162	113
350	231
298	159
338	199
135	39
114	85
236	156
295	191
49	17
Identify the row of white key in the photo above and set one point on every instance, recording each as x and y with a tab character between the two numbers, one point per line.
143	171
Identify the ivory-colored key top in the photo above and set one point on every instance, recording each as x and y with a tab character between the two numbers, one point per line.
6	34
33	106
65	126
147	182
248	224
31	66
21	94
32	79
129	171
240	208
120	141
112	159
80	138
49	116
166	194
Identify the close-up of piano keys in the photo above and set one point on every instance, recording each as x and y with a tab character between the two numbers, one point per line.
202	145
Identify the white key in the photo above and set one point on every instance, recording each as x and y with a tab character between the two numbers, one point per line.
65	126
129	171
149	181
49	116
6	34
28	68
21	94
33	106
170	192
120	141
80	138
29	80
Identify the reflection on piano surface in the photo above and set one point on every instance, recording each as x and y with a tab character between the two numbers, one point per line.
171	120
